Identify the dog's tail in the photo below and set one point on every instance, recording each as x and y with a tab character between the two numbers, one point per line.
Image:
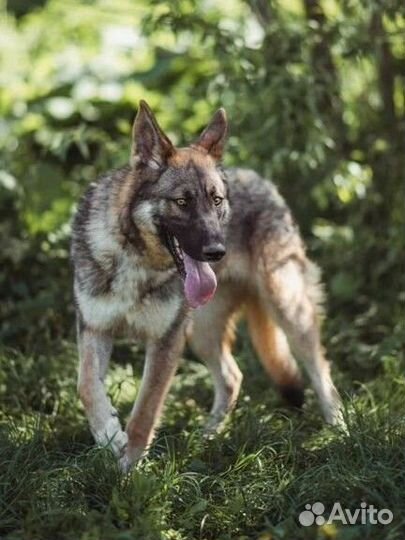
274	353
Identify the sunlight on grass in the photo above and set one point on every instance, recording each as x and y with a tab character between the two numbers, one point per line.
265	466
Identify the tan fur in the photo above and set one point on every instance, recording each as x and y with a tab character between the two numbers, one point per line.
128	277
157	257
212	338
160	365
271	346
296	313
182	156
126	190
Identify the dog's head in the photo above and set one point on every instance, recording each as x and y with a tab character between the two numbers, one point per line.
182	195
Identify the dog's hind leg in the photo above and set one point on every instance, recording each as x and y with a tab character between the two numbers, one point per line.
292	302
274	352
94	352
212	339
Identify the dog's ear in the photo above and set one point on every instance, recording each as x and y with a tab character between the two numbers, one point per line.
212	140
150	145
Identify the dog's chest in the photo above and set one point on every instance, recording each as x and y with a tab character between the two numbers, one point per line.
148	299
142	301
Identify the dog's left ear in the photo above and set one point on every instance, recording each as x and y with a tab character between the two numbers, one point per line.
150	145
212	140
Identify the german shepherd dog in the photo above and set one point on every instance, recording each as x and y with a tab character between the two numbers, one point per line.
171	248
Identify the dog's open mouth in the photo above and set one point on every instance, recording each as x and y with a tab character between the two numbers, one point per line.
199	278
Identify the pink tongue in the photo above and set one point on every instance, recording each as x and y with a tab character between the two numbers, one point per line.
200	283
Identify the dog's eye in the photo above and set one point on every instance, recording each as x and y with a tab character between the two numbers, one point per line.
217	201
181	202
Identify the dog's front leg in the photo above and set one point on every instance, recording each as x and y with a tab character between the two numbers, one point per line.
94	351
160	366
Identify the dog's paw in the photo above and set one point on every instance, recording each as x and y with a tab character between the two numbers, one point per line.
337	420
131	457
334	415
111	436
214	425
125	464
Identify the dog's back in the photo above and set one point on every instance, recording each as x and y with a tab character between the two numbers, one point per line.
260	222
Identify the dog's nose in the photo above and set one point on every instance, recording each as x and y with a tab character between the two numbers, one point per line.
214	252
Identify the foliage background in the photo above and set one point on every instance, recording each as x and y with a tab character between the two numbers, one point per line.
315	92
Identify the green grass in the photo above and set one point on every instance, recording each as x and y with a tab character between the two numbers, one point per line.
251	482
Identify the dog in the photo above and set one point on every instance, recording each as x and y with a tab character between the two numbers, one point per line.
171	248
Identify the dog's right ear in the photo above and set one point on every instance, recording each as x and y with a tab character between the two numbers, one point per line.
150	146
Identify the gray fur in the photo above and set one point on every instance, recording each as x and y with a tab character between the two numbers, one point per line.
126	280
